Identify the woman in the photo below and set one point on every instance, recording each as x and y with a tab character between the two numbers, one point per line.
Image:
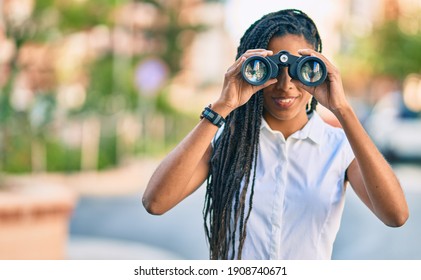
276	173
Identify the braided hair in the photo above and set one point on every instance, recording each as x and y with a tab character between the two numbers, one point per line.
233	162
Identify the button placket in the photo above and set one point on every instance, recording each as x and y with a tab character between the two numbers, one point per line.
277	215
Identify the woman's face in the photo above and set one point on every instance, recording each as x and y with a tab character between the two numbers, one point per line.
283	101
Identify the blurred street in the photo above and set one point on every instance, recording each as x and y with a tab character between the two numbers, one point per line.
91	101
118	227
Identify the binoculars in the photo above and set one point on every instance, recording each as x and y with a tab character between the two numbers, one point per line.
309	70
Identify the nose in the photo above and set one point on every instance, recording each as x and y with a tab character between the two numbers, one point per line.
284	80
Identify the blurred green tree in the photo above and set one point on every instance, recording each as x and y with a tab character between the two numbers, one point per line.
388	50
393	52
32	137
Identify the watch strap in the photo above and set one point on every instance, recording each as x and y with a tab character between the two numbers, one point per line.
212	116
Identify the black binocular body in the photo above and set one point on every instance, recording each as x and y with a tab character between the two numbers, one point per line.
309	70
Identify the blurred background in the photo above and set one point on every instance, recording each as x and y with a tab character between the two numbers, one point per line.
94	93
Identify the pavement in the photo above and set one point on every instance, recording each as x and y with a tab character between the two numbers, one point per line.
100	248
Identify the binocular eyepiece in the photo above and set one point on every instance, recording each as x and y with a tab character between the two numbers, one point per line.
309	70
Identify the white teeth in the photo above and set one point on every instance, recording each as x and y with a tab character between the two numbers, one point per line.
287	100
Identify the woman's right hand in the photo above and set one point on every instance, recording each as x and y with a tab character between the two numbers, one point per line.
236	91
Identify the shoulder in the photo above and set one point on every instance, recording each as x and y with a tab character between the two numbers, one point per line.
324	133
331	134
335	141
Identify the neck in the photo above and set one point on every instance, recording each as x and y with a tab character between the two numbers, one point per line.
286	127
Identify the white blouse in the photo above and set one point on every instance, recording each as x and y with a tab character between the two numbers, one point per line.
299	192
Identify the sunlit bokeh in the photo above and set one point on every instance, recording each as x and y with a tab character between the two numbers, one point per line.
93	94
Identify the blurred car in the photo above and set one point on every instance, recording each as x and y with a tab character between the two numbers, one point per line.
395	129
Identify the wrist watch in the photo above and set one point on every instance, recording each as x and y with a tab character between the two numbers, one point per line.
212	116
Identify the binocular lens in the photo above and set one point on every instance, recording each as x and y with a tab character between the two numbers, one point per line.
311	71
255	71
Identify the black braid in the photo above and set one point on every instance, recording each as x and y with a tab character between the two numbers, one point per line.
233	163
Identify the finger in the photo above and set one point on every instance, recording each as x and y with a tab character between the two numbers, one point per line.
311	52
259	52
306	51
237	65
239	61
249	53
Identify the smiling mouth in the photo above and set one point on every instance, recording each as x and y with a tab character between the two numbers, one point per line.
284	102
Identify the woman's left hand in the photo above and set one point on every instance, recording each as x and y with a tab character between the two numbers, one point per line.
331	92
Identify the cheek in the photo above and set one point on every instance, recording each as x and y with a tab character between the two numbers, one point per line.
265	98
306	96
267	102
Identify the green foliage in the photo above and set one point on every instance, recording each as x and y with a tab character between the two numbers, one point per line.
110	88
70	16
164	106
61	157
6	111
172	33
108	152
390	51
41	113
101	86
17	148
